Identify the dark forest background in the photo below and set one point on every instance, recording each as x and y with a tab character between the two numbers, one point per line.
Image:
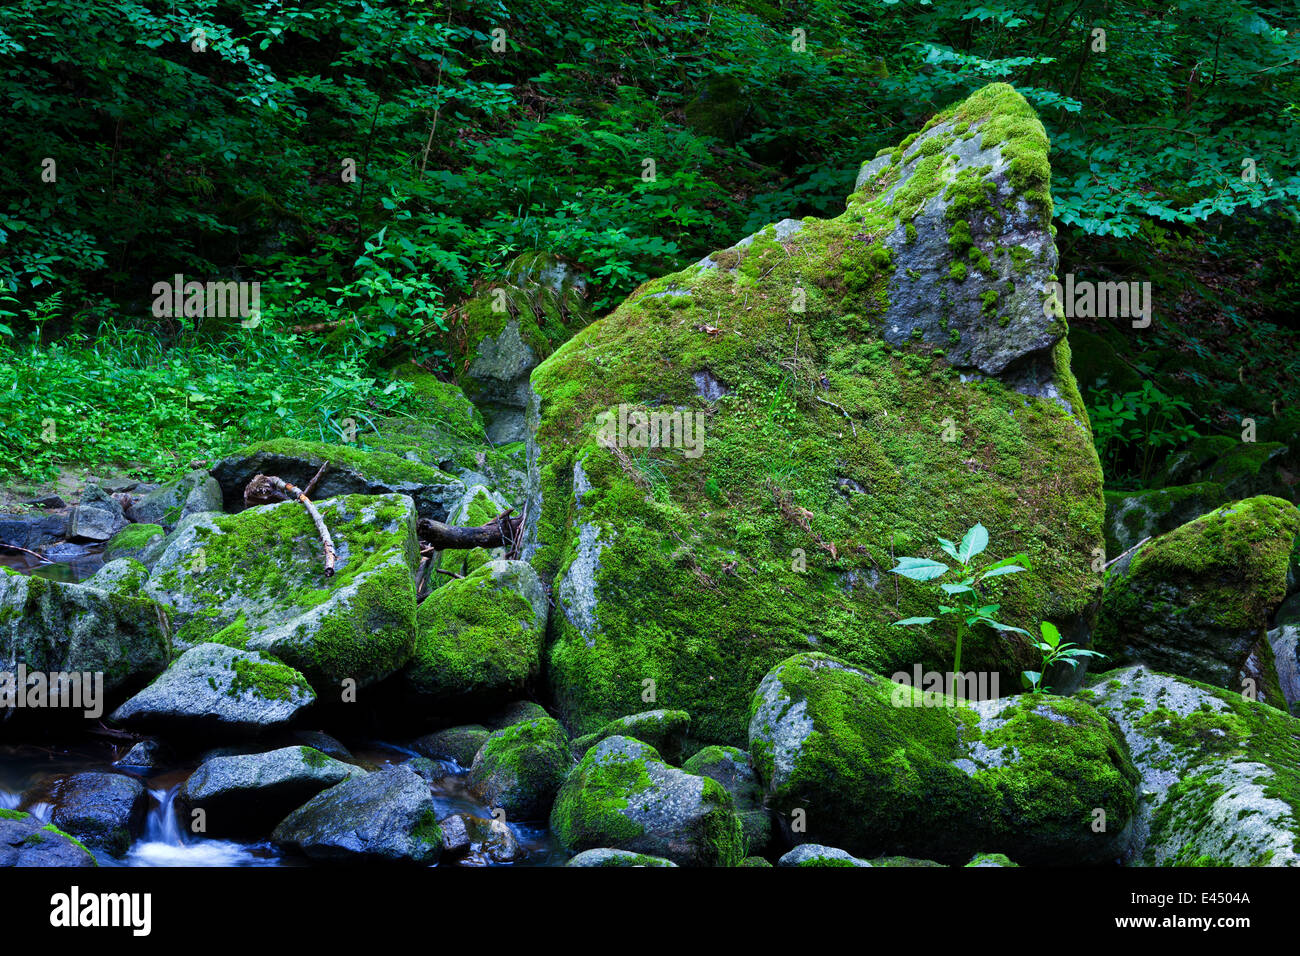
494	142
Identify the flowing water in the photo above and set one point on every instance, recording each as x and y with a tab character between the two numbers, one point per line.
27	773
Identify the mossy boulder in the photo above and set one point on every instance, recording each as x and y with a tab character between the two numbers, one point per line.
120	576
814	854
459	743
479	639
506	331
351	472
1220	774
217	690
624	796
607	857
731	767
442	428
382	817
1196	601
26	841
726	467
256	581
520	768
103	810
991	860
860	762
54	627
1134	516
664	730
195	493
132	541
246	795
1205	474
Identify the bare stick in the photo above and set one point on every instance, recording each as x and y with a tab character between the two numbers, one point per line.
266	487
311	485
38	557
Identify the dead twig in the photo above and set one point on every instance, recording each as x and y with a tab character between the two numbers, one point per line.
311	485
38	557
263	489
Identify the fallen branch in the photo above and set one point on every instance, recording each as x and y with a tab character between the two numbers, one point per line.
502	531
265	489
38	557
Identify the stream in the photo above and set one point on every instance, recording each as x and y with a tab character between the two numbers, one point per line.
27	771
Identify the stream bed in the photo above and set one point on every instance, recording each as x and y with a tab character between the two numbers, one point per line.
27	771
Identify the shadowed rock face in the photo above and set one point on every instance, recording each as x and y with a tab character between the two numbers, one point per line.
862	385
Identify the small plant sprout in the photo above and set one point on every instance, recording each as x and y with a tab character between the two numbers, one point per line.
1053	650
964	593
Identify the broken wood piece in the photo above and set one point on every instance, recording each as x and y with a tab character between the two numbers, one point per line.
502	531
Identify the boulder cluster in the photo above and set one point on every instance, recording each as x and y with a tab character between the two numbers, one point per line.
686	659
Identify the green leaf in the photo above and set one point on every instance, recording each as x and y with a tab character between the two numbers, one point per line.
909	621
955	588
975	541
1005	569
1050	634
920	569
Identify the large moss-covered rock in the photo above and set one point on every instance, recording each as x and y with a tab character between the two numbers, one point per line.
25	841
53	627
1220	774
382	817
442	428
248	794
520	768
846	391
860	763
1196	601
608	857
215	689
458	743
479	638
664	730
624	796
351	472
814	854
256	580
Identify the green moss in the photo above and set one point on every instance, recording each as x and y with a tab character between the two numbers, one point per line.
267	679
134	537
263	567
377	465
475	636
1220	573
